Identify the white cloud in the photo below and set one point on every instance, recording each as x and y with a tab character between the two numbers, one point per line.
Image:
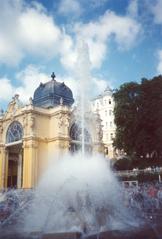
6	92
27	29
156	10
100	85
38	33
159	66
133	8
10	53
29	80
67	7
123	29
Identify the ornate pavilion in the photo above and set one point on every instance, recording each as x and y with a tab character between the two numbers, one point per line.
42	130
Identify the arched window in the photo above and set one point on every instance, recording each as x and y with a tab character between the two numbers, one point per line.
76	134
14	132
76	137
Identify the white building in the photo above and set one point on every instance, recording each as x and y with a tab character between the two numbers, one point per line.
103	104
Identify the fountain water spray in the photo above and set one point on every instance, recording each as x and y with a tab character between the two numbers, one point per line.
76	194
84	78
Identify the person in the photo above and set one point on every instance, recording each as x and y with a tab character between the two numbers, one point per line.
159	196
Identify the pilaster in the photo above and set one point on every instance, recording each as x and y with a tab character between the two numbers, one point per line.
2	166
19	173
30	164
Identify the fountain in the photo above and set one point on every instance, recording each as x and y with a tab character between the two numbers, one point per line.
79	192
83	76
78	196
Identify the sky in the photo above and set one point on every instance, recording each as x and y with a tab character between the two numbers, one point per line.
124	39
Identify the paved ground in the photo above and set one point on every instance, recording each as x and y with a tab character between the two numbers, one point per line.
146	232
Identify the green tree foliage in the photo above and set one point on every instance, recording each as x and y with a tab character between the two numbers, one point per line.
138	117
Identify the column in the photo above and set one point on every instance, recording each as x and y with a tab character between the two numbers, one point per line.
19	170
30	166
5	168
2	166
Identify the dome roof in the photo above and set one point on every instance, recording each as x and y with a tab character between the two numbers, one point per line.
52	93
108	91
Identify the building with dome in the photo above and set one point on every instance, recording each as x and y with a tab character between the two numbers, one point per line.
42	130
103	104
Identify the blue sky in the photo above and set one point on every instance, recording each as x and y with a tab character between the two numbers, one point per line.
38	37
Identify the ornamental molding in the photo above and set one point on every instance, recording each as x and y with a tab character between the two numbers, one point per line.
45	140
63	120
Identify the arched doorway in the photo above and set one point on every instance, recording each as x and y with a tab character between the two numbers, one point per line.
14	156
76	139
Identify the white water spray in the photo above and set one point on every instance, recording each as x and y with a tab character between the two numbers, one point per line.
84	78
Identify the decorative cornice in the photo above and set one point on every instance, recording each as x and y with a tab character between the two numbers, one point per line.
44	139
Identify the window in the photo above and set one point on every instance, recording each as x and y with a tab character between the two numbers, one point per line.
110	123
105	112
105	102
106	151
111	136
76	133
110	112
76	137
14	132
109	102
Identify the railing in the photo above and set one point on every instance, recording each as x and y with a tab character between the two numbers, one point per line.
135	172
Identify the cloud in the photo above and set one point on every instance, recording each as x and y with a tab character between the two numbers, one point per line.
27	29
72	7
133	8
6	92
156	10
100	85
159	66
27	79
123	29
76	8
38	33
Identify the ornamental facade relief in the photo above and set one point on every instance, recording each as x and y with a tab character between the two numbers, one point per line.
99	131
1	131
63	123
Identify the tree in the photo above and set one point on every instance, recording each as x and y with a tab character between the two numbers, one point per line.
125	111
138	117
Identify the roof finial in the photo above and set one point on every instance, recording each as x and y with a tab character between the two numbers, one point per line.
53	76
61	101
